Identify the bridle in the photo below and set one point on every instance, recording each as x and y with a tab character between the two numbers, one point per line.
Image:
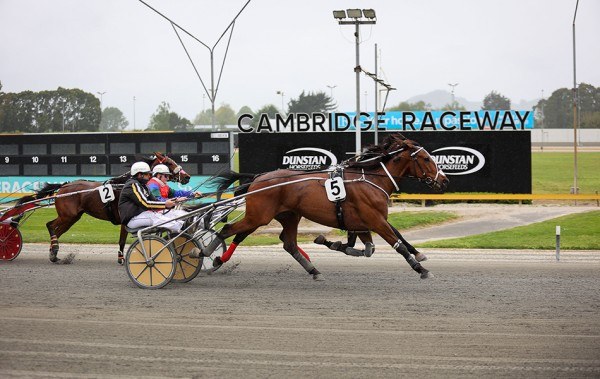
177	172
418	168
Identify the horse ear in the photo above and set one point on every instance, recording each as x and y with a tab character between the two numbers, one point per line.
401	136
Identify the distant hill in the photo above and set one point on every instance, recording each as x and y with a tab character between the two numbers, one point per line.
439	98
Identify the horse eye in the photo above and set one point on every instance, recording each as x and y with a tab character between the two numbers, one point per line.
427	159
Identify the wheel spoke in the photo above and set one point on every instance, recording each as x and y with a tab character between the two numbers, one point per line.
160	272
141	272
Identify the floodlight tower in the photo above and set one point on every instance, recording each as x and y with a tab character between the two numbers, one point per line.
356	17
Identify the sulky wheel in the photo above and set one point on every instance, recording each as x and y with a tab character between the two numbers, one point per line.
155	269
11	242
205	237
187	268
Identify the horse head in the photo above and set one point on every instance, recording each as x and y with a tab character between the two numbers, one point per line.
421	165
179	174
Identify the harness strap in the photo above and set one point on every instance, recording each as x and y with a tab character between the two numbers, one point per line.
339	212
390	176
108	208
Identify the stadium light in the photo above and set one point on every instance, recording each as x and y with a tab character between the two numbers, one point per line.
355	17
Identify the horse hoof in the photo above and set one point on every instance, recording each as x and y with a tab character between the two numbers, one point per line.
217	262
318	277
426	275
195	253
420	257
120	261
320	240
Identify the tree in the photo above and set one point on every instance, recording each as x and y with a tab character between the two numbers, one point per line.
244	110
270	110
311	103
453	106
70	110
495	101
113	120
204	117
164	119
225	115
558	108
405	106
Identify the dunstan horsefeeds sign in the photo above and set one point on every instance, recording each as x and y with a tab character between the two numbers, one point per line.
480	151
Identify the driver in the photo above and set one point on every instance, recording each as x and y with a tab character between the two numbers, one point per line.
138	208
160	189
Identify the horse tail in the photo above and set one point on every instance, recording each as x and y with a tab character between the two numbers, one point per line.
223	180
46	191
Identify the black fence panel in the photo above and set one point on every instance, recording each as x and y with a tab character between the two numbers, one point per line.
474	161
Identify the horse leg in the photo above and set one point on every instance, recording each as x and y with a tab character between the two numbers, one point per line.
389	234
122	239
420	257
218	261
57	228
337	245
348	248
53	240
289	237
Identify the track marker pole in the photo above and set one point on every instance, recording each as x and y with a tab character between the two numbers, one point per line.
557	243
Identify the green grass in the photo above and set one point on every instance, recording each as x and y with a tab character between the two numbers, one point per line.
578	232
406	220
552	172
86	230
90	230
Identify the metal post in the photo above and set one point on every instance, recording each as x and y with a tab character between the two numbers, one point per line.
557	243
575	189
358	144
376	102
542	119
212	90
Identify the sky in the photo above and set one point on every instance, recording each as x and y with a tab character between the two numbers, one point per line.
519	48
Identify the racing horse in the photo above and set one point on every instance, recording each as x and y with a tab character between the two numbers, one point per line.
287	196
84	200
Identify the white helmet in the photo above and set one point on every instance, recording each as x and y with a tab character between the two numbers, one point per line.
160	169
138	167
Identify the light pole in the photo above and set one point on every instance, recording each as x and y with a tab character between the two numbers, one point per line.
214	87
452	92
63	114
331	90
574	189
282	95
101	94
356	16
542	118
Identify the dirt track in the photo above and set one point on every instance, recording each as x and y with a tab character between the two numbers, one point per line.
501	313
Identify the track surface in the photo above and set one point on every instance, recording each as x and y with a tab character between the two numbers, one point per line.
486	313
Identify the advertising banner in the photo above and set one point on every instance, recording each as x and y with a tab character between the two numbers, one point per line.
482	161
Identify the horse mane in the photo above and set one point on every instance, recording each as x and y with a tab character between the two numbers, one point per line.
145	158
47	190
376	154
121	179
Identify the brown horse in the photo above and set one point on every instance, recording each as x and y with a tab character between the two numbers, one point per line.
83	199
287	196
